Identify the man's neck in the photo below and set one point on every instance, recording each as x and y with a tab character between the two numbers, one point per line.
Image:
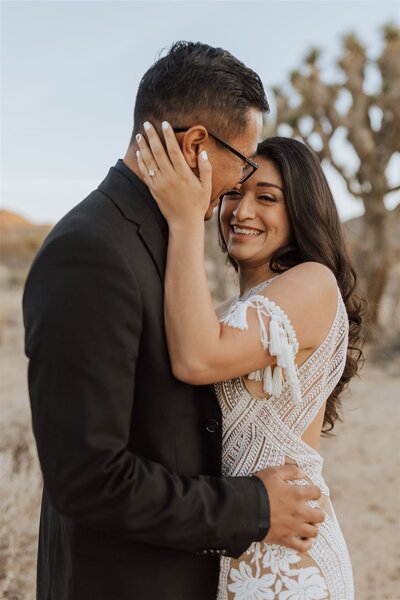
131	162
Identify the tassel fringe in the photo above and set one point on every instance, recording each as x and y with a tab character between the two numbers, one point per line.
281	342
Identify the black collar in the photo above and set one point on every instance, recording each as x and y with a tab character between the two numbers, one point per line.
142	187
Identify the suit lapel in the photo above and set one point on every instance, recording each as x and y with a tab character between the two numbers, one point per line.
137	205
155	242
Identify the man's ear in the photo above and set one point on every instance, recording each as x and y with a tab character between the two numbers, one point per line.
192	144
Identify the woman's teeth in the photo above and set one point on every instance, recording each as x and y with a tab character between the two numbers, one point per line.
245	231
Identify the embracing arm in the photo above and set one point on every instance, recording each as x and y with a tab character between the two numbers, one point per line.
202	349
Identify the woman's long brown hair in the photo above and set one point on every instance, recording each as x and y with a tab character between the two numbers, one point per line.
317	235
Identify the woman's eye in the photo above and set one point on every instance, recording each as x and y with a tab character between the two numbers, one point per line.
267	198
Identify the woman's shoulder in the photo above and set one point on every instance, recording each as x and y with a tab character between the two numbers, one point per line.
312	278
308	294
311	270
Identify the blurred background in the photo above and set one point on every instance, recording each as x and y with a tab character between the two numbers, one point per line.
69	75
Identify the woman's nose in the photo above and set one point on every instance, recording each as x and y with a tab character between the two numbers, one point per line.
245	209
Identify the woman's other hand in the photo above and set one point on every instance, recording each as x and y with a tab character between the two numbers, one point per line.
181	196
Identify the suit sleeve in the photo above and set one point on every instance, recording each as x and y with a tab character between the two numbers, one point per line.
83	315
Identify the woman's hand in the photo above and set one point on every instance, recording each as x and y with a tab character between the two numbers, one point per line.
181	196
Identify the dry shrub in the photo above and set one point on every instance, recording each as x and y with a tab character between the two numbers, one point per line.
20	491
3	322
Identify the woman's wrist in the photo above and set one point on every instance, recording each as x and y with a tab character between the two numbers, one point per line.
182	224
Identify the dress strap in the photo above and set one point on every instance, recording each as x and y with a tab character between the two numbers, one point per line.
279	339
258	288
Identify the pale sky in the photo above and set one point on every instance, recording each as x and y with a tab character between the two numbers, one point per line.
70	71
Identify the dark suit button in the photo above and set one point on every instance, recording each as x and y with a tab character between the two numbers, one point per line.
212	425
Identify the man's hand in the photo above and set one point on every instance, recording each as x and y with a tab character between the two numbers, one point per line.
290	517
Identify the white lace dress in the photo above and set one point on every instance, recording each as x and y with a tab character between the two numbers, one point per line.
259	433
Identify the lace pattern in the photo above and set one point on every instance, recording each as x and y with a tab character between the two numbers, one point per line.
258	433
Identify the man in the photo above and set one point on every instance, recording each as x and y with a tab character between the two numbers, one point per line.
134	505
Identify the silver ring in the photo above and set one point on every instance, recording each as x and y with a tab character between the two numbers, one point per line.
152	172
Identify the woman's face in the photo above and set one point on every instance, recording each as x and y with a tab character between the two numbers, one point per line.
254	219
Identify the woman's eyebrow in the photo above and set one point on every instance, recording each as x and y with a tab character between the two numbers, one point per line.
266	184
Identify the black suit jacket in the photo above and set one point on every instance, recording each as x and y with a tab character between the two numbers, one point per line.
133	505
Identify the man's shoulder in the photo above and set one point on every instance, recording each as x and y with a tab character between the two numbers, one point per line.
95	215
106	222
116	203
94	227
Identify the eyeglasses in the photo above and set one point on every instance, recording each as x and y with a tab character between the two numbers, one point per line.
249	167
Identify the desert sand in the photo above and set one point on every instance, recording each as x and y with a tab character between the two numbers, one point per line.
361	467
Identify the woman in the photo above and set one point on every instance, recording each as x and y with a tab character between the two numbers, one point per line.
278	355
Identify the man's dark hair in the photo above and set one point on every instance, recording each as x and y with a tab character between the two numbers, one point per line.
198	84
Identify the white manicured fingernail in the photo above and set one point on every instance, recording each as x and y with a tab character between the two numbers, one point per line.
146	125
165	124
203	155
138	155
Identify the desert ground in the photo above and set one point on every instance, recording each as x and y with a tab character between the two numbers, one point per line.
361	466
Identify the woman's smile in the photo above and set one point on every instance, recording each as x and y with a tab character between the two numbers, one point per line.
244	232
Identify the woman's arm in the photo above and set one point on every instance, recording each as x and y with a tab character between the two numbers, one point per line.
202	349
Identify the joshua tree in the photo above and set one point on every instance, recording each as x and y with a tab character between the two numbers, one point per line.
317	111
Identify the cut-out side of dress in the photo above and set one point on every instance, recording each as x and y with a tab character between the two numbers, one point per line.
260	433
